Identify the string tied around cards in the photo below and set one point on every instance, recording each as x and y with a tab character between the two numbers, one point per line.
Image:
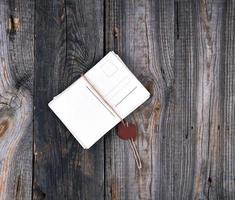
125	130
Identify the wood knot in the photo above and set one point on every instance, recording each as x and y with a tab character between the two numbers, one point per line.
13	24
157	107
115	32
3	127
149	85
62	13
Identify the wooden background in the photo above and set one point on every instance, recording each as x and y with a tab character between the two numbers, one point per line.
183	51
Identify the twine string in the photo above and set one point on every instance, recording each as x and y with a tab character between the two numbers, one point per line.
102	97
131	141
136	153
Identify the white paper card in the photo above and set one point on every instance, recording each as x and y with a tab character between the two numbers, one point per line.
84	112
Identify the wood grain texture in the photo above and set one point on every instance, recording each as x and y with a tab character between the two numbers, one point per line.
69	40
16	104
209	25
142	32
183	52
225	187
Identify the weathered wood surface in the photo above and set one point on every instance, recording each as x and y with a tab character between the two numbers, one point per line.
16	98
182	51
142	32
69	40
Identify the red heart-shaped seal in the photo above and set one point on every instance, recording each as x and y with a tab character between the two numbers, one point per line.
126	131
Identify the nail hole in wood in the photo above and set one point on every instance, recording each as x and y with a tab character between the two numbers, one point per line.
186	136
209	179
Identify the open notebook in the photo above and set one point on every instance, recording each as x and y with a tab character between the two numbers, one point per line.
82	108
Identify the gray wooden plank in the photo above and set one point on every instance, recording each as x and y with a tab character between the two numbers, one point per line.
184	129
224	181
16	90
215	103
142	33
69	40
183	52
177	131
210	26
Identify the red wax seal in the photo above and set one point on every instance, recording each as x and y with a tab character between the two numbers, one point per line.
126	131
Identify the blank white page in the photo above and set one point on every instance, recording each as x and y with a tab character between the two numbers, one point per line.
117	84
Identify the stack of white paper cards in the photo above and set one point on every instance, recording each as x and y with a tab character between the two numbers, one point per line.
87	111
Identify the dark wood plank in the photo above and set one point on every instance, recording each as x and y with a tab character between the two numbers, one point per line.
16	90
183	130
69	40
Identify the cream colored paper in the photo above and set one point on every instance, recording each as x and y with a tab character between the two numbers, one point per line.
84	112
